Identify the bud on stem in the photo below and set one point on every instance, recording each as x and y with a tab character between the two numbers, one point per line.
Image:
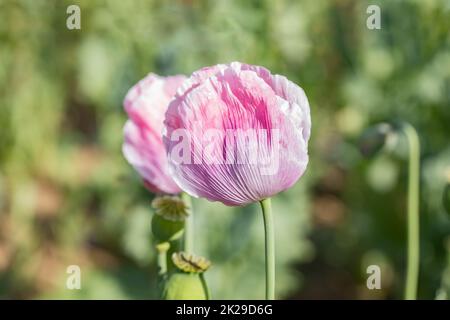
373	140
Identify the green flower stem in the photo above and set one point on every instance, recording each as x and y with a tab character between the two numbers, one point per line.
412	272
189	226
205	286
270	248
175	246
162	249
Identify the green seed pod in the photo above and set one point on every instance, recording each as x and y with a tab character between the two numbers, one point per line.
190	263
166	230
171	208
184	286
169	219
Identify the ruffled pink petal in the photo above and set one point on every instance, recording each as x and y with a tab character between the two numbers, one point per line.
298	106
146	154
147	101
227	98
146	104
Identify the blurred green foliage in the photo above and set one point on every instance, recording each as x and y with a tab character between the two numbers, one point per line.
67	196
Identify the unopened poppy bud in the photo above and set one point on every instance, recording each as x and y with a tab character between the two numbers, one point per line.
374	139
184	286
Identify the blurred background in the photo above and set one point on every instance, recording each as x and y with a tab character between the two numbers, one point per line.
68	197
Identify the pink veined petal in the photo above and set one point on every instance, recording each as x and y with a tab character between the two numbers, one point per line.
147	155
146	104
233	98
148	100
298	106
198	77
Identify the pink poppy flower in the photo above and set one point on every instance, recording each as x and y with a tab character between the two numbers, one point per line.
146	104
237	134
